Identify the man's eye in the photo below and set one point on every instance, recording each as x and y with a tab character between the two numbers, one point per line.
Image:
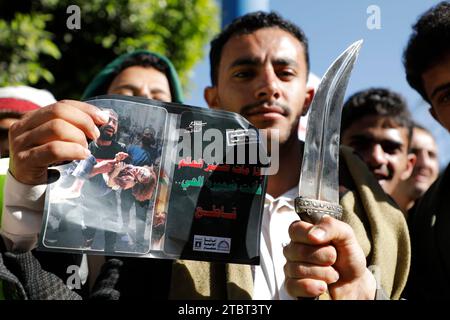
444	98
286	74
391	149
242	74
359	145
124	92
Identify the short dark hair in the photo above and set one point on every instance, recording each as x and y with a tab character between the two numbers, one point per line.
248	24
143	60
379	102
427	45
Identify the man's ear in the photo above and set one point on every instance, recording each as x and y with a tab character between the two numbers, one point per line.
211	97
411	161
308	99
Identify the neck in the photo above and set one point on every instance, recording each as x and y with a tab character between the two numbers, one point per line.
288	175
101	142
404	201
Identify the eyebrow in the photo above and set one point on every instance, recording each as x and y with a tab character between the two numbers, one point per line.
133	87
368	138
256	61
442	87
126	86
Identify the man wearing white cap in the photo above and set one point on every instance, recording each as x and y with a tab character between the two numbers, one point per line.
14	102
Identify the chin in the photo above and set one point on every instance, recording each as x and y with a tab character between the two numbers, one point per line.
385	186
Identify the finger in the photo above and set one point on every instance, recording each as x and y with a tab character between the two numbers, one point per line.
80	114
298	231
305	288
330	230
309	271
42	156
53	130
318	255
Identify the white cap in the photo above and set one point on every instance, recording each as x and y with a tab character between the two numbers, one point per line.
39	97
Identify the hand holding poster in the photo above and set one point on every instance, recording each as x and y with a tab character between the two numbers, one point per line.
163	181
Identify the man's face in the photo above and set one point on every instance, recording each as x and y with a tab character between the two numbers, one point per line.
126	181
436	82
147	137
109	129
383	147
262	76
141	82
426	169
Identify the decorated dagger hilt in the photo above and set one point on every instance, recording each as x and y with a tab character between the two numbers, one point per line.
312	210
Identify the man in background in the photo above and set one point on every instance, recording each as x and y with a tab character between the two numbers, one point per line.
425	172
376	123
14	103
427	65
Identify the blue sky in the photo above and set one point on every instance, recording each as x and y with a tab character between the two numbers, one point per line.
331	26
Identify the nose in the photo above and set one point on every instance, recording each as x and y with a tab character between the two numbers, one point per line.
143	92
375	156
269	85
425	160
422	159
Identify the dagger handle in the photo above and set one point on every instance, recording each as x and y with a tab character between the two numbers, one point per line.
312	210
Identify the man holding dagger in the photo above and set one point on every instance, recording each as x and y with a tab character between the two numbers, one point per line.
259	68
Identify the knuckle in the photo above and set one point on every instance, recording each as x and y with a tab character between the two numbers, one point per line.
304	252
14	129
320	256
328	255
292	229
21	157
291	287
302	271
290	251
347	231
286	269
53	149
57	126
55	109
63	102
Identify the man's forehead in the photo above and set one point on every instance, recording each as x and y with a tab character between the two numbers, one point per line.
113	116
271	42
373	125
437	77
423	139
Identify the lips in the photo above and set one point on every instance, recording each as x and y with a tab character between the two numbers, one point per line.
109	130
381	174
422	177
272	109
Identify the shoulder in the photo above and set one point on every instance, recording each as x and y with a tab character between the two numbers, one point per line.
119	145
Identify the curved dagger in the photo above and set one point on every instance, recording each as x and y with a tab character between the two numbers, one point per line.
319	185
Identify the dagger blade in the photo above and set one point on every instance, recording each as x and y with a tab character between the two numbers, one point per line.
319	171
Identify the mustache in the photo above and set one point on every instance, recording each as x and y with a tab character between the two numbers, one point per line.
382	170
106	127
250	107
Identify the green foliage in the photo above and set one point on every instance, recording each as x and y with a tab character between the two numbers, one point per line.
22	41
178	29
